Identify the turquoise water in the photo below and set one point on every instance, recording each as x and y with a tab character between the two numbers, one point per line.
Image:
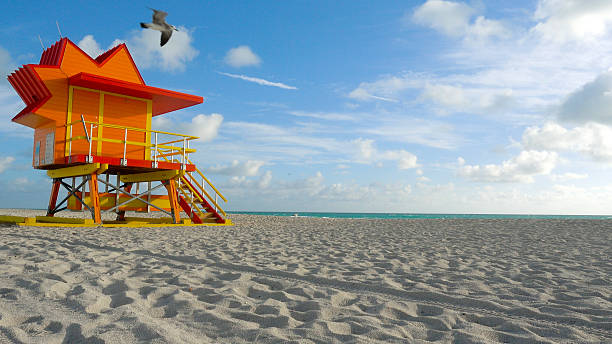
420	216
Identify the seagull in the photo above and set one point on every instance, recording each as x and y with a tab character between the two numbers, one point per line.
159	24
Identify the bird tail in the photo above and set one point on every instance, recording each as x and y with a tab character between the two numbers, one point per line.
144	25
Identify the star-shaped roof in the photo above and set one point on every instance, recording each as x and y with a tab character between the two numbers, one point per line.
44	86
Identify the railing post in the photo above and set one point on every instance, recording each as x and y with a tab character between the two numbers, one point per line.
183	161
156	152
148	197
124	161
89	157
70	143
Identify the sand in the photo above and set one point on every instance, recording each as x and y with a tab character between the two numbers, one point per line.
308	280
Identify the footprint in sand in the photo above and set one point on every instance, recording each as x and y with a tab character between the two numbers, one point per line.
117	291
74	335
9	294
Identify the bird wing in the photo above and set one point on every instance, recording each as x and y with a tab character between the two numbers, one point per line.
159	17
165	36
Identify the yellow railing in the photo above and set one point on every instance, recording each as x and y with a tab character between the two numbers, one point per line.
152	135
189	177
166	150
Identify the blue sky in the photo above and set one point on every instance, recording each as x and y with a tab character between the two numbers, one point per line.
387	106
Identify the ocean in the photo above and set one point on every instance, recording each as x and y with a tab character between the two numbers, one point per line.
419	216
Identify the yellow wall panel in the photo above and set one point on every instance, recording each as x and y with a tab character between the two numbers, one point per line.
126	112
84	103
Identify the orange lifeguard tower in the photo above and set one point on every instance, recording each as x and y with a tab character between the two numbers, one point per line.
92	120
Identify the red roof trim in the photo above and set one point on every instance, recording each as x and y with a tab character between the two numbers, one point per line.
22	87
13	82
82	78
45	94
53	55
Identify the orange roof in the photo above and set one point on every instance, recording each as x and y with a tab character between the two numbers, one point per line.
163	100
64	64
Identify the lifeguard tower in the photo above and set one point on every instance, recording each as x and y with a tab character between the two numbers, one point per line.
92	130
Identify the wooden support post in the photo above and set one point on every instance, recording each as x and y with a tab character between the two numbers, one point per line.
53	198
94	195
173	198
121	213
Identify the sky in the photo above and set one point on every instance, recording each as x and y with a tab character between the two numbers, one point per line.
357	106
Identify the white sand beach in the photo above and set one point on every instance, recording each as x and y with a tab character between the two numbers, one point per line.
309	280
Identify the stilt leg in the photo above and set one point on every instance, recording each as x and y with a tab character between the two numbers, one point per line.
173	198
121	213
95	198
53	198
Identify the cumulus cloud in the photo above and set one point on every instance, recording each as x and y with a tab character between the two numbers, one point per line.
521	168
366	152
259	81
562	20
242	183
242	56
450	18
591	102
591	139
247	168
173	56
89	45
454	19
144	48
5	163
206	127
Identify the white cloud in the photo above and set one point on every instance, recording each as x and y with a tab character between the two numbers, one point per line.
144	48
385	88
89	45
403	129
563	20
363	95
592	102
259	81
247	168
366	152
567	176
6	62
242	56
450	18
483	28
476	100
591	139
173	56
330	116
206	127
5	163
521	168
453	19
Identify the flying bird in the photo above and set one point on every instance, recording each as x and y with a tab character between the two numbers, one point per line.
159	24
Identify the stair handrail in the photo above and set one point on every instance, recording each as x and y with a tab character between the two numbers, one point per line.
202	187
205	193
207	181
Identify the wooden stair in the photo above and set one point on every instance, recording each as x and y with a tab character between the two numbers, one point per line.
194	203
